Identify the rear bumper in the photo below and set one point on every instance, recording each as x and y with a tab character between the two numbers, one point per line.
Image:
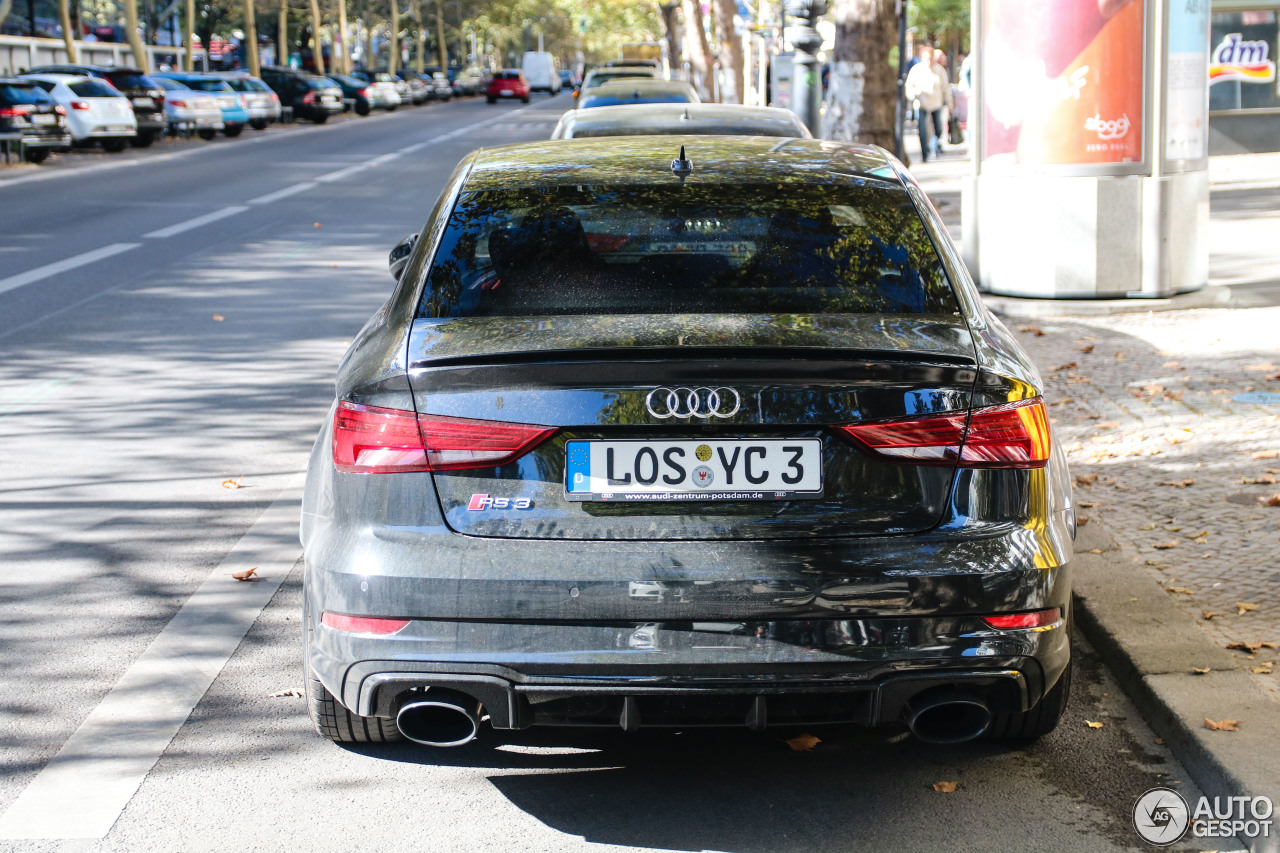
47	141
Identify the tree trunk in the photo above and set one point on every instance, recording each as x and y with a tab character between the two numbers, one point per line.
443	48
863	96
671	31
189	61
317	50
419	37
341	48
68	33
730	52
699	52
251	38
282	35
393	48
131	33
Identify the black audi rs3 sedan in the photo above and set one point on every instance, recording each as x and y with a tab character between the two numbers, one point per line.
685	431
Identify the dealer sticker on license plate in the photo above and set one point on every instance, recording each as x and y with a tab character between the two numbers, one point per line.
763	469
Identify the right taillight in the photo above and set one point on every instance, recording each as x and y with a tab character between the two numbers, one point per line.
79	105
1012	435
374	440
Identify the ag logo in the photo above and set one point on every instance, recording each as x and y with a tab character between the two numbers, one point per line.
1161	816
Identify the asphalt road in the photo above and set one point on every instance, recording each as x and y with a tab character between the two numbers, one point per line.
170	322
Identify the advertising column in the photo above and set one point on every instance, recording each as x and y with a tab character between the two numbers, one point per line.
1082	105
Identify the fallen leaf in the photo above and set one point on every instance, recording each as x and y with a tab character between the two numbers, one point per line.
1173	365
1089	504
318	225
1266	454
1274	500
1082	520
1202	539
1180	590
945	787
1263	480
1086	349
1160	741
1200	671
218	318
1248	648
1273	470
232	484
1178	484
1260	367
1094	551
1269	645
1272	377
1243	607
1262	670
1086	479
292	691
1209	614
1107	425
1070	365
1222	725
803	743
1091	724
246	575
1034	330
1165	546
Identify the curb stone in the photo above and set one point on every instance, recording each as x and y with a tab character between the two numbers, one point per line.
1152	647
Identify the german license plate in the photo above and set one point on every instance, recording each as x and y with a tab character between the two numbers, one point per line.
506	93
41	118
765	469
143	102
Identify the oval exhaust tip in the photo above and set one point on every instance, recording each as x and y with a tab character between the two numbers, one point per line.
947	716
444	721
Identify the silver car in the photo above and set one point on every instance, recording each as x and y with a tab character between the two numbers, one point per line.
190	112
262	103
698	119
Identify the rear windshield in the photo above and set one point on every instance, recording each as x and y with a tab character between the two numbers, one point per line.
506	75
320	83
130	80
206	85
599	78
12	95
94	89
614	98
675	249
243	84
586	129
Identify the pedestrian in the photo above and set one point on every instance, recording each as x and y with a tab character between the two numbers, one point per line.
929	89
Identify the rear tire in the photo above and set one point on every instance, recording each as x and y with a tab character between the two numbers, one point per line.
362	108
233	130
491	100
115	146
37	155
143	140
1026	726
339	725
258	124
207	133
525	99
321	118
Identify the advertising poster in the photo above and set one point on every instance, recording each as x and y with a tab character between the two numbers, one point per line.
1242	65
1186	128
1063	81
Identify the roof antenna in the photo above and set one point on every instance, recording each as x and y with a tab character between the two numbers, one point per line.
686	116
683	166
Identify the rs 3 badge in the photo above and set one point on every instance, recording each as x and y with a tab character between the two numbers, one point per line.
479	502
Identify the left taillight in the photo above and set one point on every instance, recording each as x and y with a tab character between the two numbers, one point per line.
362	624
374	440
1013	435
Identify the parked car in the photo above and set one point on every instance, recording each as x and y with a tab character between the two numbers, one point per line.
754	370
419	89
145	96
364	96
190	111
235	112
507	83
384	90
638	91
310	96
566	79
539	69
96	111
262	103
698	119
600	76
441	88
40	122
469	80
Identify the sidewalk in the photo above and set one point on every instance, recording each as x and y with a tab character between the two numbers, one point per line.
1171	423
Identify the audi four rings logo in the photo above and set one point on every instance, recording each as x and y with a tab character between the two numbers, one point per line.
683	403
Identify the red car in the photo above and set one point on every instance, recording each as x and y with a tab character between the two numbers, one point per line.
507	83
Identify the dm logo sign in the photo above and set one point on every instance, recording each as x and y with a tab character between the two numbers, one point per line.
1161	816
1237	59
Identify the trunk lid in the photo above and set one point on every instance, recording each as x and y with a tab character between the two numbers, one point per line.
607	379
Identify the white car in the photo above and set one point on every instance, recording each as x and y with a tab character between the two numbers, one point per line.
96	111
189	111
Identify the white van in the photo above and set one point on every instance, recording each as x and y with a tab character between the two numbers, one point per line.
540	70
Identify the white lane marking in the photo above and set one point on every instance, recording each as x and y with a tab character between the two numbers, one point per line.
385	158
22	278
179	227
83	789
342	173
417	146
284	193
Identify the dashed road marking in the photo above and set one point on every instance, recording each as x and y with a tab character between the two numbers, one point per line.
179	227
84	258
